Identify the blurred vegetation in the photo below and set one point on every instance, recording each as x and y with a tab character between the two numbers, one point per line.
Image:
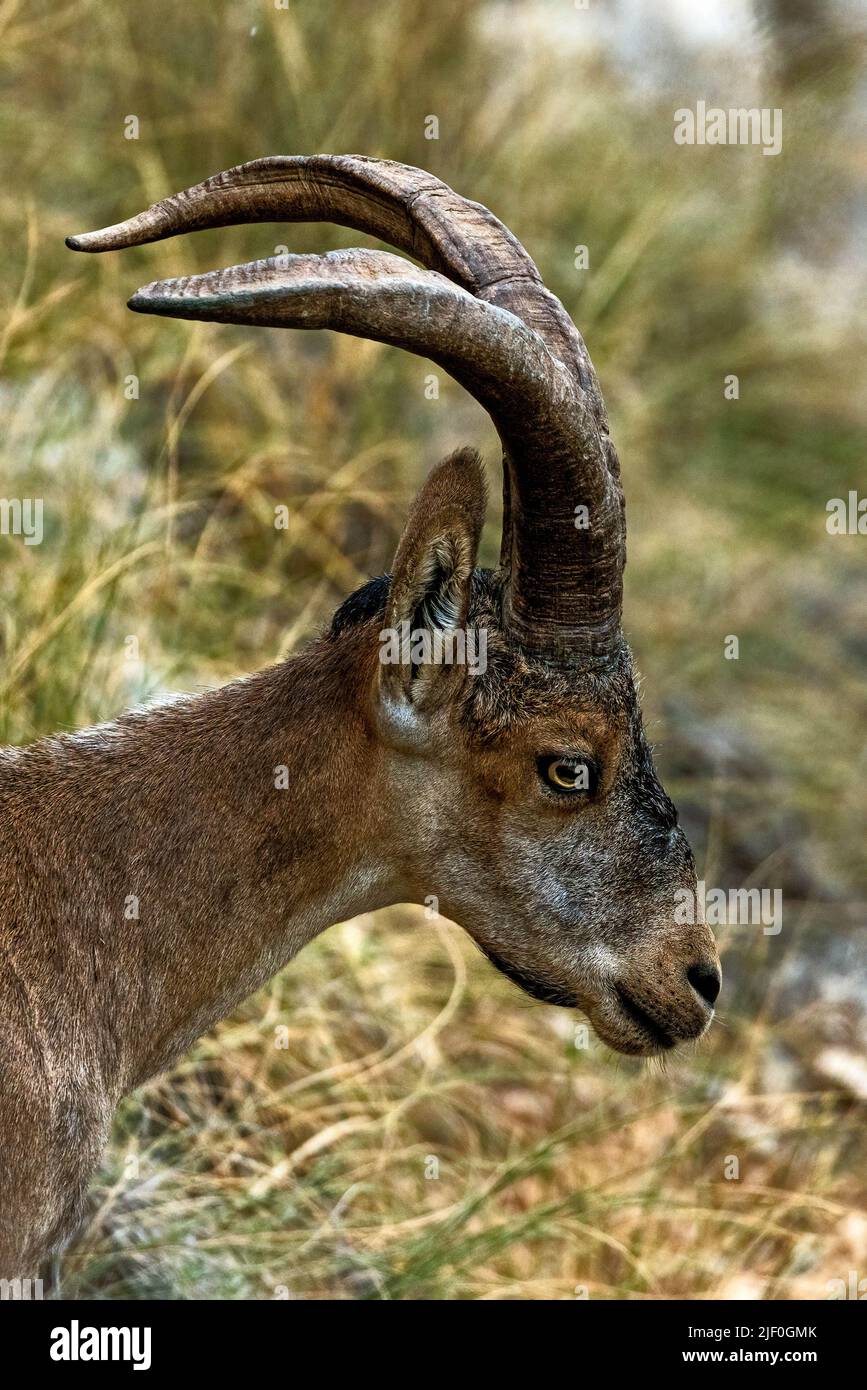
253	1169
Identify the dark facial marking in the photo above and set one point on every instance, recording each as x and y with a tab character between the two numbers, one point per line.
537	989
366	602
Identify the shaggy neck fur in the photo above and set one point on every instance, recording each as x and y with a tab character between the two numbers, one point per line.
188	852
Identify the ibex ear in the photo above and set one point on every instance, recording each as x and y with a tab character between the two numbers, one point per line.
425	624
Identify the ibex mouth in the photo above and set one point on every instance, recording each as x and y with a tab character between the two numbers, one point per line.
644	1021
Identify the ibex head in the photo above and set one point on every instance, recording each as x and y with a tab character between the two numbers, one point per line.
523	796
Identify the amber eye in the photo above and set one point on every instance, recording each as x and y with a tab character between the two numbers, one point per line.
569	776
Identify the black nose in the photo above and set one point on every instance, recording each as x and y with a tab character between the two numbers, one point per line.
705	980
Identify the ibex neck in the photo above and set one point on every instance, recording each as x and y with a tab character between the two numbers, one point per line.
192	850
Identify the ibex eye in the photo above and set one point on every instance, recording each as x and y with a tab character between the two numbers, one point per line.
569	776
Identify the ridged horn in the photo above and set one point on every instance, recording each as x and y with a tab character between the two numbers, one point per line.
479	309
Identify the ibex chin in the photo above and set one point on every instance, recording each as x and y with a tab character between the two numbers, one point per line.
247	819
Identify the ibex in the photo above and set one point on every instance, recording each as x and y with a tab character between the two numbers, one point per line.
523	798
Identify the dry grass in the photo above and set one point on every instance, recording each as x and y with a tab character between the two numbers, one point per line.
426	1134
254	1169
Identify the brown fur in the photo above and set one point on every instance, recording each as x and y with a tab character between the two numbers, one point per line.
402	782
245	821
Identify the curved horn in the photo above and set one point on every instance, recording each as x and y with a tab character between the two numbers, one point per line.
564	581
373	294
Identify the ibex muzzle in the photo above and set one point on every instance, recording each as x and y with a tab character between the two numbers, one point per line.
377	766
